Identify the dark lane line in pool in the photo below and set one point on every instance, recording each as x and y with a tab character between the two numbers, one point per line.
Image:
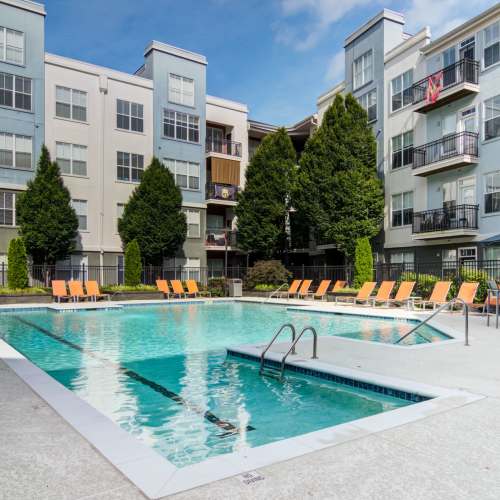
207	415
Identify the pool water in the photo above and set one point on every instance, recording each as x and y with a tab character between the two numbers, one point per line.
162	374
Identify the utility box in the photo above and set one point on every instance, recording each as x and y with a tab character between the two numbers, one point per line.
235	288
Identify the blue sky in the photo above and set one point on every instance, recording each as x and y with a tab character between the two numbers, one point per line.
276	56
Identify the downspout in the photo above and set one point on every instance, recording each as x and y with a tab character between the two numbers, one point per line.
103	89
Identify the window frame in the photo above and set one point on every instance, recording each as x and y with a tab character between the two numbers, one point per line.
80	202
362	59
188	212
72	104
188	166
16	93
3	208
494	118
130	167
401	79
364	105
173	121
183	81
402	150
14	138
3	53
130	116
72	158
491	43
486	192
402	209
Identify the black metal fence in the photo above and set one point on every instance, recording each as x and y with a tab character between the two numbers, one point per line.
456	271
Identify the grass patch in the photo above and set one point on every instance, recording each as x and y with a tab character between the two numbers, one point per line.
23	291
127	288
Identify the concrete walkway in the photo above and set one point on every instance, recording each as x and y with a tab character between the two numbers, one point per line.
452	455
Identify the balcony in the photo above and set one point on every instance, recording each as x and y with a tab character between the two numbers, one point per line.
220	239
446	222
454	82
223	194
223	147
451	151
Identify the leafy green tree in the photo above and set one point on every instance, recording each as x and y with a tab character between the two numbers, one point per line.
338	191
17	265
47	222
153	215
363	262
133	265
264	203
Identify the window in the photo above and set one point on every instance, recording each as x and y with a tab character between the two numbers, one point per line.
15	151
71	104
187	174
491	45
180	90
190	267
363	69
404	257
369	102
130	166
7	208
71	158
492	192
401	90
492	118
129	116
120	208
80	207
492	253
11	46
15	92
183	126
193	223
402	209
402	150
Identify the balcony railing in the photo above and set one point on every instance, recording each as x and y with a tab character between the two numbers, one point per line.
223	146
463	71
453	145
220	237
446	219
224	192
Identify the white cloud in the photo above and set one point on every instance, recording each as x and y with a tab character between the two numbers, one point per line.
442	15
319	15
335	68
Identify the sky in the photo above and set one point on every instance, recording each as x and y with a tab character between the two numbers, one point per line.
276	56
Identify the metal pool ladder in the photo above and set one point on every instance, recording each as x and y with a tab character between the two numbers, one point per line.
270	369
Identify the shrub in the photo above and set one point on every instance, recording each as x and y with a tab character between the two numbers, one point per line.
363	262
267	272
262	287
424	283
133	266
17	267
217	287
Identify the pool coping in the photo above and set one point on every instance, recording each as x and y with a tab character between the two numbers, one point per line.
156	477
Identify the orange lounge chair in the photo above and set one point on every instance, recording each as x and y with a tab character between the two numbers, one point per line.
192	289
403	295
94	292
320	293
304	288
59	291
438	295
292	290
177	288
383	293
467	293
76	290
339	284
162	286
363	294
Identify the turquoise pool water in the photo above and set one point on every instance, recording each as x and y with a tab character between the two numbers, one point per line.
162	374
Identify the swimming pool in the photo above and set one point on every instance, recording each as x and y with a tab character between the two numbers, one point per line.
161	372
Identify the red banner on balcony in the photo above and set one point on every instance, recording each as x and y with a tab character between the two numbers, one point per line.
434	87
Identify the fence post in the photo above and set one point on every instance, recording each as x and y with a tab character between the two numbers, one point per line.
303	271
83	272
3	274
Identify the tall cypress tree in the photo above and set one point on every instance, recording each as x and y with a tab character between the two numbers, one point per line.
153	215
264	203
338	191
17	264
47	222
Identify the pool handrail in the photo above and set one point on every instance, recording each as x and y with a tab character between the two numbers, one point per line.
263	353
292	347
436	312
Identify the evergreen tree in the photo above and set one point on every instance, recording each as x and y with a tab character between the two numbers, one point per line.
363	262
153	215
133	265
264	204
17	264
338	192
47	222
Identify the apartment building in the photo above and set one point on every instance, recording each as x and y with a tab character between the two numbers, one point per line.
103	127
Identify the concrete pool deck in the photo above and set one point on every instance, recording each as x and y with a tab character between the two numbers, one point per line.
452	454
